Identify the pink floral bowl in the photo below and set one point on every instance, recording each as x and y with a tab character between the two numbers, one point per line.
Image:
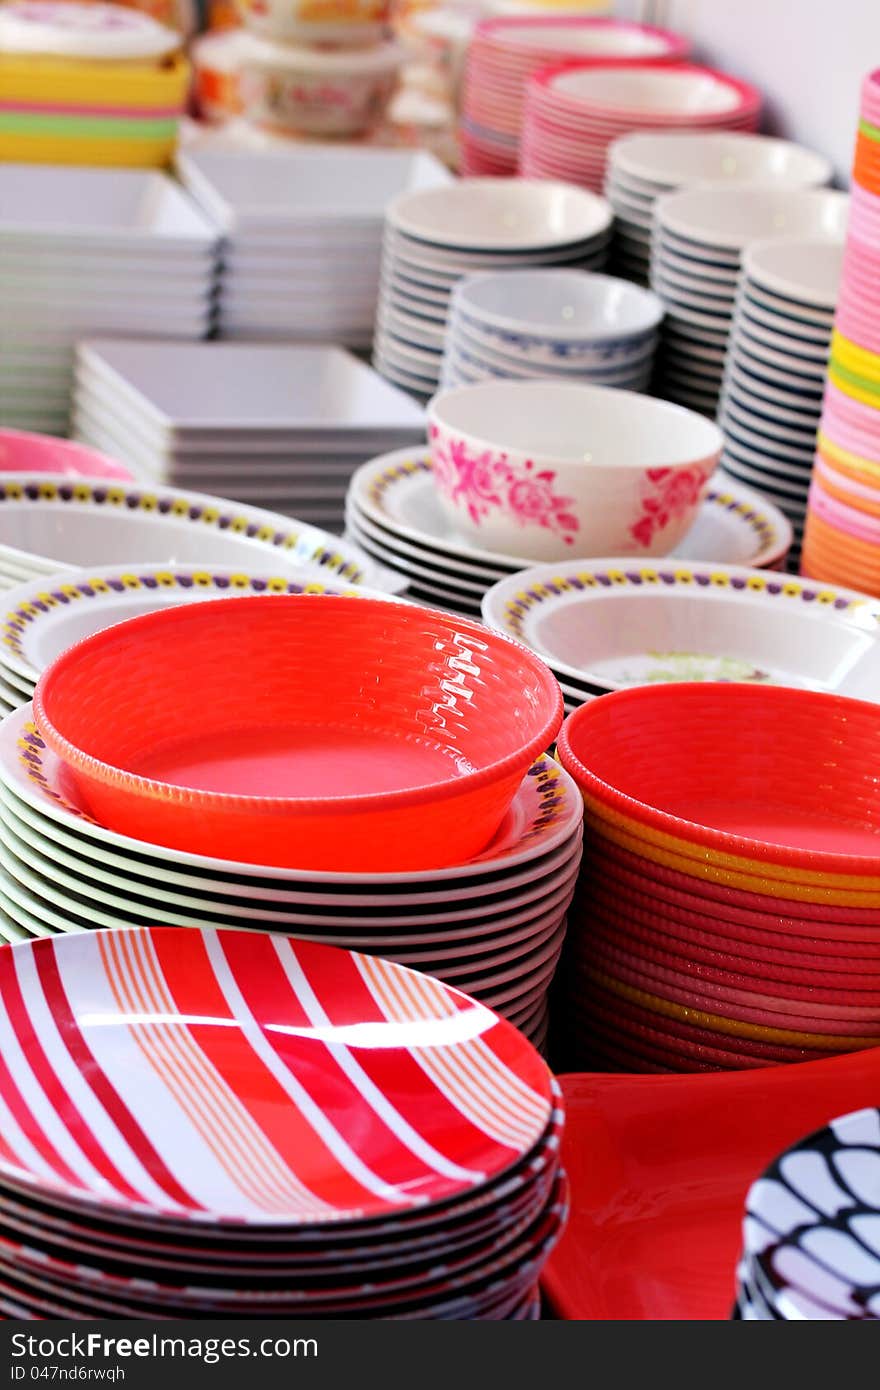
553	470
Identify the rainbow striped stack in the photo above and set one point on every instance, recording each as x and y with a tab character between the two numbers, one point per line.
842	538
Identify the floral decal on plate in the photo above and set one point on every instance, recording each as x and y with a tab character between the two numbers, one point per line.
667	667
669	493
489	482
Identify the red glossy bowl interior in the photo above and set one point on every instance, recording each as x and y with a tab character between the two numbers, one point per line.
318	732
21	452
766	773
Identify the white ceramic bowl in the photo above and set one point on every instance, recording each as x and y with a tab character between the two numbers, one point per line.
501	215
731	217
806	270
313	92
545	469
664	91
559	316
343	23
681	160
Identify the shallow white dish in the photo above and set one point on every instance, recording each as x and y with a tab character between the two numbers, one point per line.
731	217
501	214
806	271
676	159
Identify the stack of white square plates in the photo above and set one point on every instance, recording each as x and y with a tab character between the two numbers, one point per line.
393	513
271	425
303	232
86	251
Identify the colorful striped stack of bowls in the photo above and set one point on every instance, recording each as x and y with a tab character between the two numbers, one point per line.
728	902
842	538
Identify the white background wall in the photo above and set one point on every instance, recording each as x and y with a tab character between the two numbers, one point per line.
807	56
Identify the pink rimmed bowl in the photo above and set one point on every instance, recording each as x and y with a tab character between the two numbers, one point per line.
21	452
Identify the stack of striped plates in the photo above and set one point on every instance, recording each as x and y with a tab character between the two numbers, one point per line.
731	884
213	1124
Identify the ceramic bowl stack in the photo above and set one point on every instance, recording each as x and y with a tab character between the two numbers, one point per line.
728	909
434	238
771	397
303	232
809	1234
551	323
573	114
842	540
92	251
641	168
394	514
700	236
267	424
400	1160
466	877
505	51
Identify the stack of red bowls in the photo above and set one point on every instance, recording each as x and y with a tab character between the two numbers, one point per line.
842	535
505	51
728	911
573	113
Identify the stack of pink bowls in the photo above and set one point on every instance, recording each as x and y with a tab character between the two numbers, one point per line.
842	538
728	912
505	52
573	113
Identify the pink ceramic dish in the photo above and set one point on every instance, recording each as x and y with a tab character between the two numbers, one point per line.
43	453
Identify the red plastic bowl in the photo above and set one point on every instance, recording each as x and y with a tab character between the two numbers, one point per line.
21	452
310	732
768	774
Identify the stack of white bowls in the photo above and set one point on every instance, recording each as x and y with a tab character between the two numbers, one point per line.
551	323
641	168
435	237
698	243
771	400
303	229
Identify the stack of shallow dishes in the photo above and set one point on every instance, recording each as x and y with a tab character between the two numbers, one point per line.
365	1122
809	1234
50	521
92	251
573	114
434	238
266	423
505	51
565	323
771	397
387	848
641	168
842	539
608	624
303	230
731	891
699	239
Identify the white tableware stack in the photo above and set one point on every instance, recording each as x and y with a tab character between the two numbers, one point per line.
302	232
569	324
699	239
641	168
270	425
117	251
771	399
435	237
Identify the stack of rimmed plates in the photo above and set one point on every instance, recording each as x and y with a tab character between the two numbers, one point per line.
810	1248
574	113
92	251
493	925
505	51
731	887
66	521
699	239
608	624
771	398
433	238
393	514
641	168
269	424
563	323
297	1132
303	232
43	617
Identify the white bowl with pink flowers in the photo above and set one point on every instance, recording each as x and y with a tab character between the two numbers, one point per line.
552	470
341	92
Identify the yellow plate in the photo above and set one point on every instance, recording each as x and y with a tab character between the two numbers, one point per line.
53	81
853	358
